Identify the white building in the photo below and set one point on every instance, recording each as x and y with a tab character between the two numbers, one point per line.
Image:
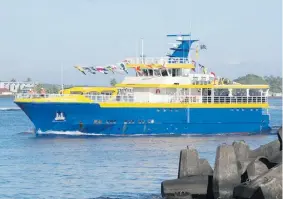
17	86
275	94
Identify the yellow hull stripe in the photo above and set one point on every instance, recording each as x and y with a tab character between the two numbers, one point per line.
90	89
82	99
65	99
177	105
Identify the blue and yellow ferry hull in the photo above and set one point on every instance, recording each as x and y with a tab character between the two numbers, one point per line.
122	119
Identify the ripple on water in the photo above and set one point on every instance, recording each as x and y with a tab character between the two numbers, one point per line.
85	166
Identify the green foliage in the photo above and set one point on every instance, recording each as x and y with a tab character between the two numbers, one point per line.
113	82
275	83
250	79
13	80
28	79
49	88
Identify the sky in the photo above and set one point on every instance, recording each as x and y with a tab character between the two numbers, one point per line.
39	38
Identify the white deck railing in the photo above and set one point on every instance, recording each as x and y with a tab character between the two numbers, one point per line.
186	99
157	60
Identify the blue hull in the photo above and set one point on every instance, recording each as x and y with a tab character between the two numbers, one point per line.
91	118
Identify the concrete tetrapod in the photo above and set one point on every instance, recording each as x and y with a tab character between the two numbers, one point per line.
266	186
194	178
239	173
225	176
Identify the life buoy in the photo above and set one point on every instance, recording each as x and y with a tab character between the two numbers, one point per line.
157	91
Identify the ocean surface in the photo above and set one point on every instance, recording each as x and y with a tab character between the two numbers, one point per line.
75	165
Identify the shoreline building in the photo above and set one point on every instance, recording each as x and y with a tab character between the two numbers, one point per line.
15	87
5	92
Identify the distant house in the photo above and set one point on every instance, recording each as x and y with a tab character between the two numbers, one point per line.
5	91
15	87
271	94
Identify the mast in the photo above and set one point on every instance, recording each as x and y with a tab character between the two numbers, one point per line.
62	85
142	49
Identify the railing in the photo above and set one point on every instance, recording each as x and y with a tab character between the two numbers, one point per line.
158	60
186	99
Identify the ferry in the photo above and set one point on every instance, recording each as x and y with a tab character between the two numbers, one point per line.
166	95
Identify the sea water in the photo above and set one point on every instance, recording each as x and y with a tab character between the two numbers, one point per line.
76	165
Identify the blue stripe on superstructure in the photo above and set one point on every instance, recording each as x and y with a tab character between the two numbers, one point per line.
146	120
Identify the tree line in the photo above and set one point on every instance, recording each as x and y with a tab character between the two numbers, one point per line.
275	83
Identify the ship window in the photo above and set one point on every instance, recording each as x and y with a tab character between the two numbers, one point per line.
164	72
150	121
157	72
93	93
76	92
174	72
141	121
145	72
97	121
111	122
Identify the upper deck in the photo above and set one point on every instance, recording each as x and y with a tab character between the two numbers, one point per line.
160	62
